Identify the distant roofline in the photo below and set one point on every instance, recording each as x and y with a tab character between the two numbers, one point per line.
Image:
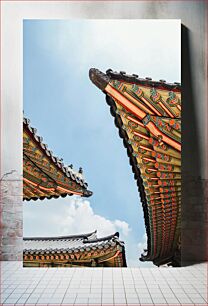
61	237
41	247
79	236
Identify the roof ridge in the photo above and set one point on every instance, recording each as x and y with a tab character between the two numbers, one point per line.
60	237
85	244
146	81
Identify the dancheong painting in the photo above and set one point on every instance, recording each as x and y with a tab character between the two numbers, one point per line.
102	164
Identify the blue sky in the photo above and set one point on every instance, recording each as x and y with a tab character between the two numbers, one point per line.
71	115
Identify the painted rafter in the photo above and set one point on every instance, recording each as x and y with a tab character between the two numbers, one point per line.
78	250
44	175
148	115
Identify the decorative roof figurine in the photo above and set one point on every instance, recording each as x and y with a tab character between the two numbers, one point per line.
148	116
44	175
74	251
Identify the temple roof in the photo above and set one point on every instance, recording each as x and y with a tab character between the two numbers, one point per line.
45	175
147	114
69	243
76	250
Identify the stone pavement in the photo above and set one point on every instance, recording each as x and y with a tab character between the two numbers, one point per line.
98	286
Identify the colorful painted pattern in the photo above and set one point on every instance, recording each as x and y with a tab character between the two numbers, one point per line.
74	251
149	113
44	175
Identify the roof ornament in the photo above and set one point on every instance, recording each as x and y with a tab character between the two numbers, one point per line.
99	78
80	170
108	71
87	193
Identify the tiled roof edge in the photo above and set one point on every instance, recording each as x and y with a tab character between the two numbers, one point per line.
58	162
88	245
122	75
61	237
133	163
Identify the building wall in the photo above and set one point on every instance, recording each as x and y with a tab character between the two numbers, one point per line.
194	80
11	217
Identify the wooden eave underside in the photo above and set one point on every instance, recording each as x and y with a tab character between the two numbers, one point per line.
45	176
156	165
108	255
83	248
133	163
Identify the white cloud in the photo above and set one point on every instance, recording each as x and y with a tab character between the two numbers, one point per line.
123	225
142	244
80	217
75	216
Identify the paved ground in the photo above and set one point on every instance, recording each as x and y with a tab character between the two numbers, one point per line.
97	286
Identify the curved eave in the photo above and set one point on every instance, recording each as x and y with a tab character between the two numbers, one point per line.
102	81
135	169
86	194
56	162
